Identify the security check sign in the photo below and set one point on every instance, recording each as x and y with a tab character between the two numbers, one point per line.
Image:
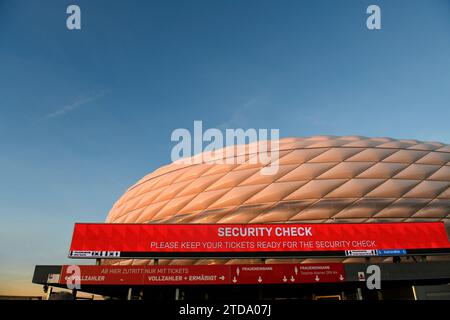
256	240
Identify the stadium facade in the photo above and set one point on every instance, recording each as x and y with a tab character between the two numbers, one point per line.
320	180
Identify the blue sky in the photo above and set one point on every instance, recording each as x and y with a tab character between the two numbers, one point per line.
84	114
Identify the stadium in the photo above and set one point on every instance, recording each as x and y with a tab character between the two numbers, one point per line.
320	180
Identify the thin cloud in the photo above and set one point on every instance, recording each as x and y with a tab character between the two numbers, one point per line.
240	116
75	105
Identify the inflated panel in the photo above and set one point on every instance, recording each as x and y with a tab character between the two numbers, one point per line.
321	179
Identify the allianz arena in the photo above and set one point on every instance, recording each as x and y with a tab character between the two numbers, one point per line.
321	179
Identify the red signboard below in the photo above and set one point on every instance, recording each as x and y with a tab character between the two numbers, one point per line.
203	274
247	240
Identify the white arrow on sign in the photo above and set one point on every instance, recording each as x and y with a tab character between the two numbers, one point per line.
341	277
284	279
317	278
234	280
259	279
361	276
292	279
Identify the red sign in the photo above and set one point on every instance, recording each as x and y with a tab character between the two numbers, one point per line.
287	273
145	275
95	275
202	274
245	240
214	274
